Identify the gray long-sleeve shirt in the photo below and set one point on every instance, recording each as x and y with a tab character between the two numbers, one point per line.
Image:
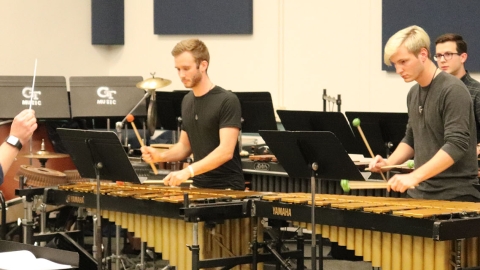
447	122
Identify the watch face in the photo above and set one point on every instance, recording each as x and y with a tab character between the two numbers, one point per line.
12	140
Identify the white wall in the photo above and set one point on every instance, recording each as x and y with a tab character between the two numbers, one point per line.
298	48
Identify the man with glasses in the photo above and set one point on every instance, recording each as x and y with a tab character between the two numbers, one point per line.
451	55
440	133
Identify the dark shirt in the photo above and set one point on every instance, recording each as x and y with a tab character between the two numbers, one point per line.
474	87
202	119
446	123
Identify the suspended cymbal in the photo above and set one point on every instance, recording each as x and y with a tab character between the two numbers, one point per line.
44	155
153	83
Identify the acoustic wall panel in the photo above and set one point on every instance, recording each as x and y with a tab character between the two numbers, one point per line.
195	17
437	17
108	22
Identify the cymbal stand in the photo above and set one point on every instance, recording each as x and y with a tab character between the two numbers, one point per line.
240	146
119	125
97	219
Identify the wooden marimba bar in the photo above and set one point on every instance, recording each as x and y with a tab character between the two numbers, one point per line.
392	233
152	213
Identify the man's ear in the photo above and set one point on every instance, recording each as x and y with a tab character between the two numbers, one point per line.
203	65
463	57
423	55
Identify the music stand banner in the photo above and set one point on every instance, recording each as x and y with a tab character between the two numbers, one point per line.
49	97
106	96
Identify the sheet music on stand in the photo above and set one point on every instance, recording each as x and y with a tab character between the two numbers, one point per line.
86	147
18	256
312	154
49	98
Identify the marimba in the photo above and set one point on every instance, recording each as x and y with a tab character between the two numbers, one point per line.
157	216
392	233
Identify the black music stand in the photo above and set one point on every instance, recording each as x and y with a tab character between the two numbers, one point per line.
314	154
98	155
257	111
169	108
384	131
321	121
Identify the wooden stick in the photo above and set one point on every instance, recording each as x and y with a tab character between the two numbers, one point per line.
369	149
349	185
141	144
401	166
162	181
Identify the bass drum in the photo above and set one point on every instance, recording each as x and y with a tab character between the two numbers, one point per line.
60	164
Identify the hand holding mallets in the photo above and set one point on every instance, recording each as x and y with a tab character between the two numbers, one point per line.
356	123
130	119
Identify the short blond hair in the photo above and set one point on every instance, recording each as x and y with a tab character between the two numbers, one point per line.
198	49
413	37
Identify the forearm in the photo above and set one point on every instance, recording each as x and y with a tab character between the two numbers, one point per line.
212	161
402	153
178	152
7	156
437	164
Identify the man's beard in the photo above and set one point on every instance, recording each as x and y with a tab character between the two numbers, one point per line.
195	80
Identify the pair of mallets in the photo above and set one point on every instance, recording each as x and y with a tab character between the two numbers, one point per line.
348	185
130	119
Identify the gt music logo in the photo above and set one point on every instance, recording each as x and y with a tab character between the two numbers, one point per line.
31	95
106	96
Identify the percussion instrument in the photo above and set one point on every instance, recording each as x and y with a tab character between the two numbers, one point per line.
60	164
158	216
150	85
40	177
392	233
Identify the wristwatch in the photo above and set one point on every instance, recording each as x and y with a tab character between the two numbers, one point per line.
14	141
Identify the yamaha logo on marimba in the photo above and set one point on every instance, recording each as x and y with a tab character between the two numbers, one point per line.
282	211
261	166
75	199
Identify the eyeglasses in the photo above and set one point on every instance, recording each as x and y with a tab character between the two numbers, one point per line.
447	56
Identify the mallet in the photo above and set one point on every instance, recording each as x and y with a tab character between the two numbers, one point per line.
130	119
349	185
356	123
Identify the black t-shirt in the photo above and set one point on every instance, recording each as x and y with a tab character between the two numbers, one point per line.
202	119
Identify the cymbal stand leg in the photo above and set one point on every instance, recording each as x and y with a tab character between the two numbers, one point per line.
27	222
195	248
141	265
117	251
314	239
254	244
81	218
300	246
43	220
